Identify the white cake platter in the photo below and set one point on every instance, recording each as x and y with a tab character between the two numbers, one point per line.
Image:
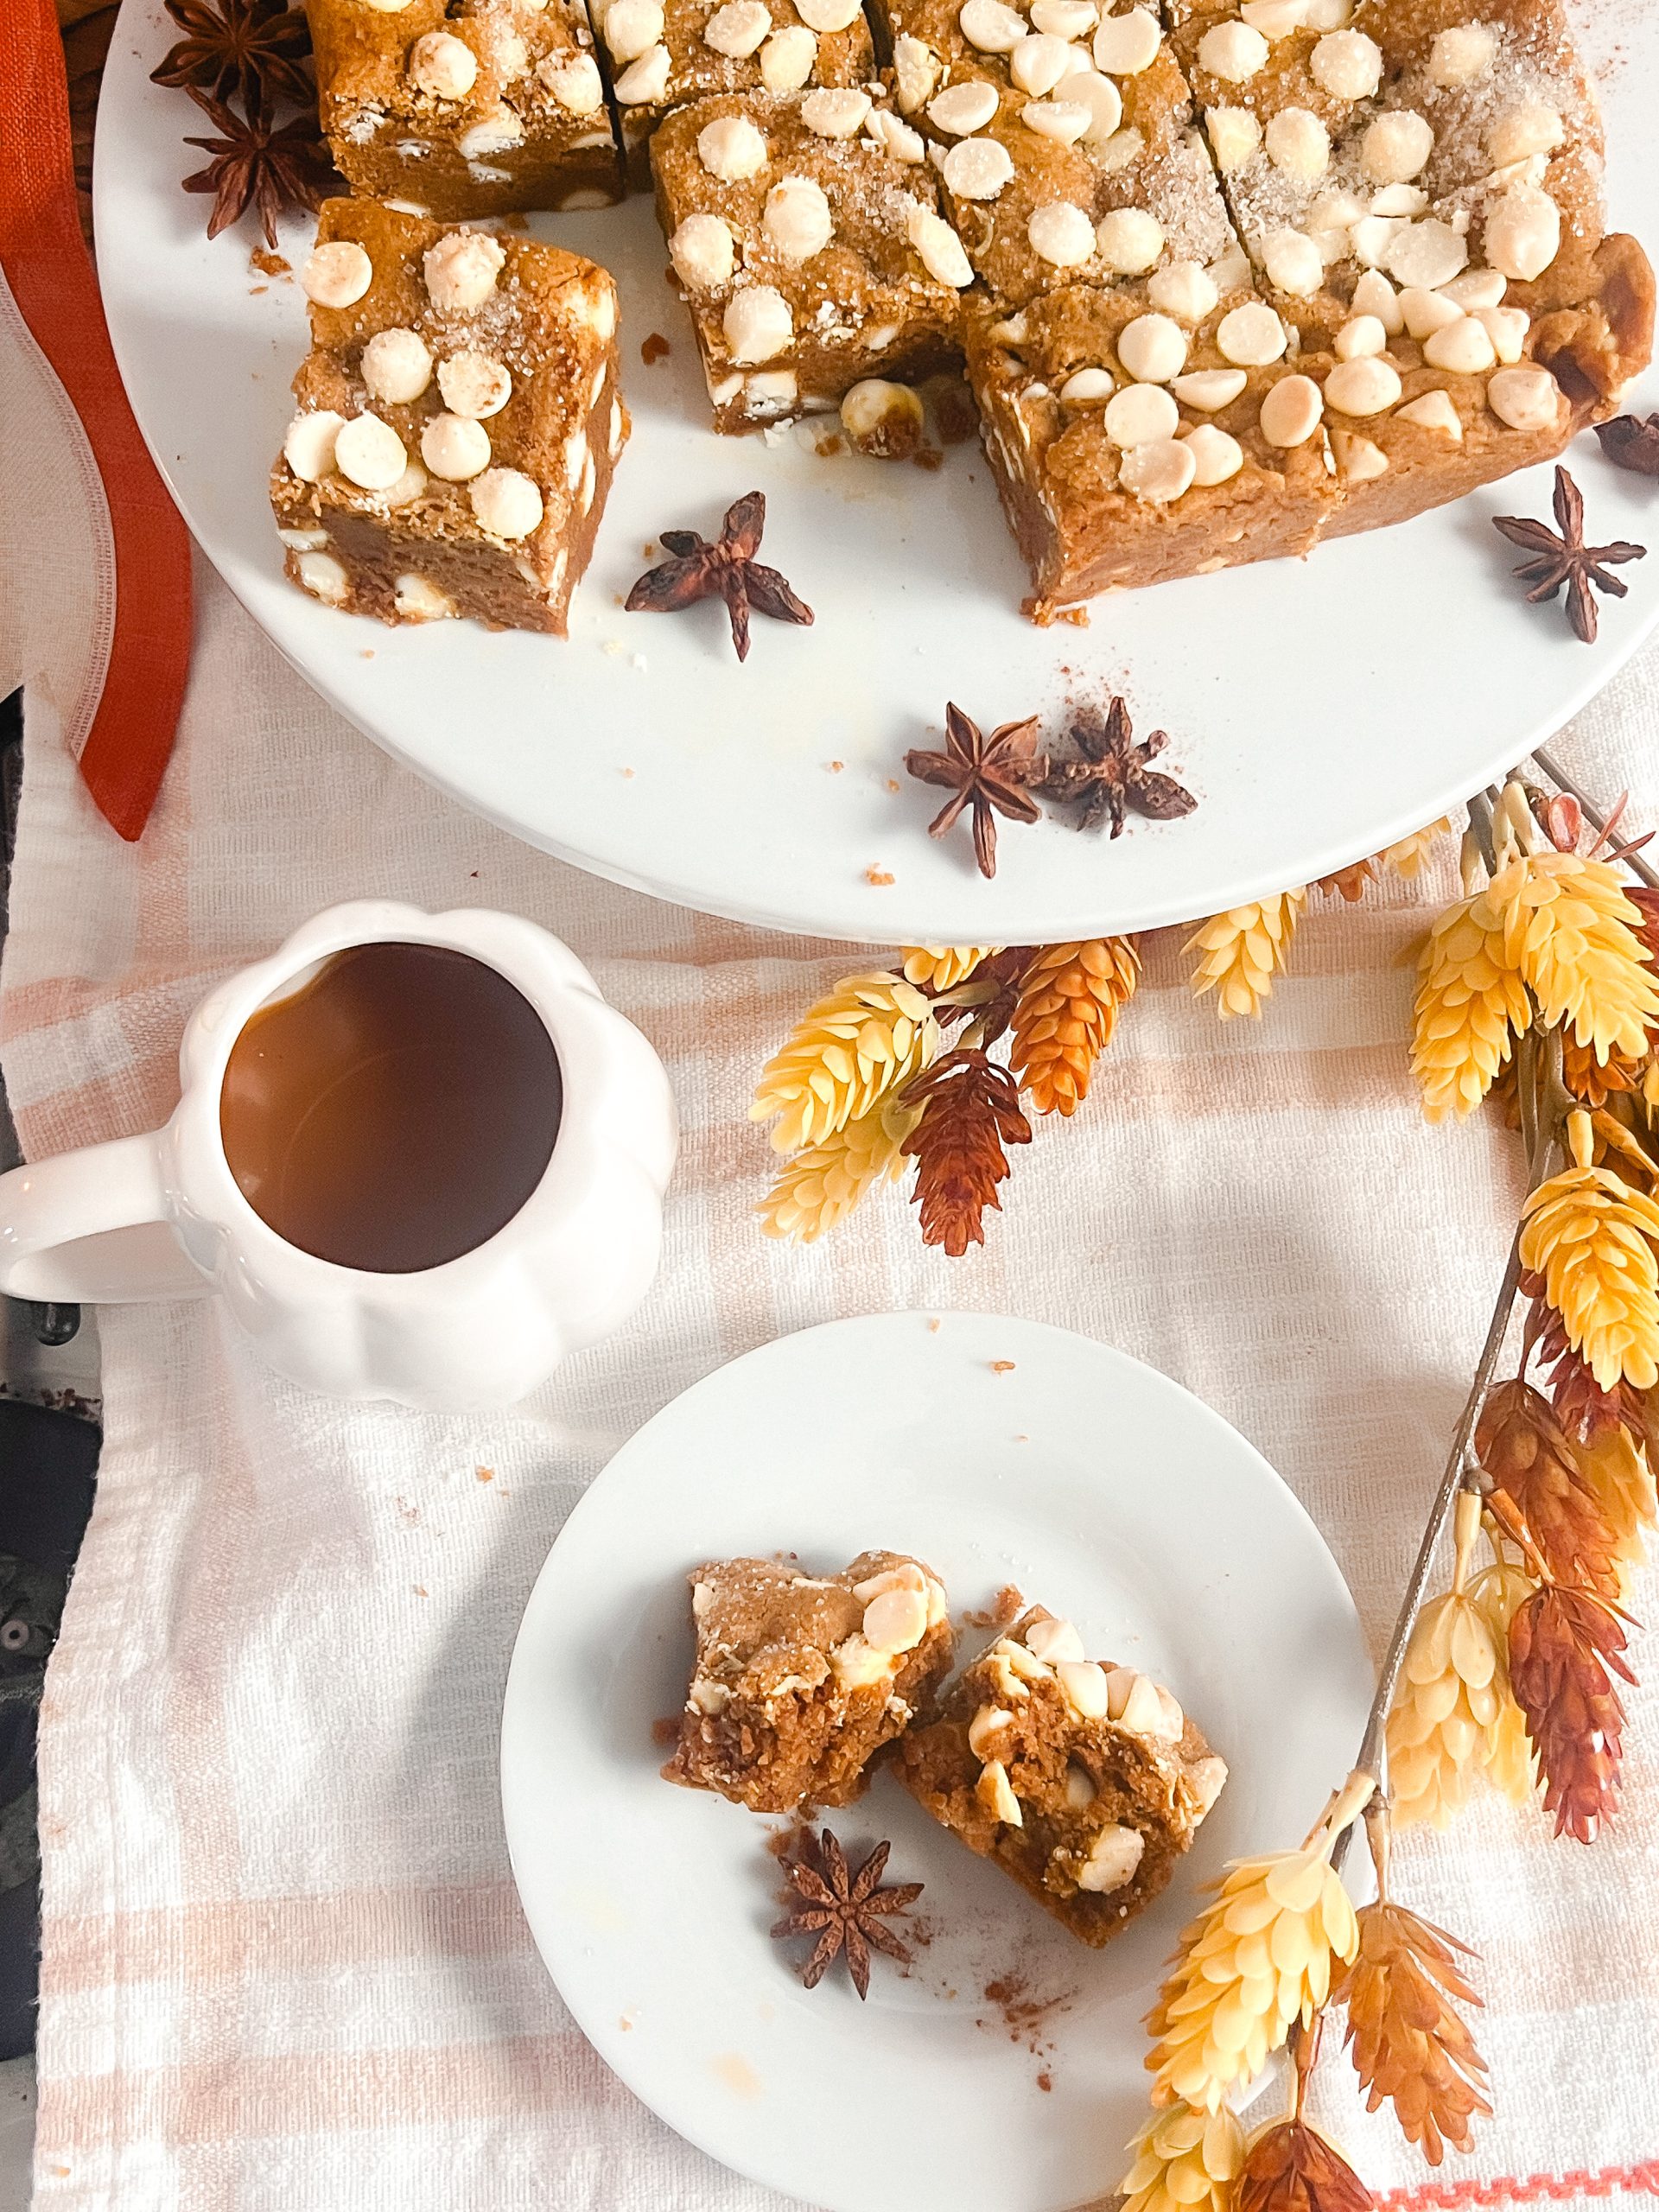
1317	710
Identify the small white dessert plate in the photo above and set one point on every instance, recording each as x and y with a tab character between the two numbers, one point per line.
1317	710
1002	2071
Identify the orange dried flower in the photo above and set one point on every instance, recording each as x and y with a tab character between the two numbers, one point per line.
1408	2042
1348	884
1564	1649
1063	1018
1521	1444
1591	1080
970	1112
1584	1409
1290	2167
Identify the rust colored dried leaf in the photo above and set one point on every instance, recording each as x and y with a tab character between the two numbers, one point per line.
1566	1648
1290	2167
970	1113
1584	1409
1407	2043
1521	1444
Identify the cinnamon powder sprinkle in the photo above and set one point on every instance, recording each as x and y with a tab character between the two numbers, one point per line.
654	349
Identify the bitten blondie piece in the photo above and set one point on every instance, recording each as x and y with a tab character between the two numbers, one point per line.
460	417
799	1678
664	53
805	232
465	107
1085	1782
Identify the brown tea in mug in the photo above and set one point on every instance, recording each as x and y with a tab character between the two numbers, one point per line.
394	1111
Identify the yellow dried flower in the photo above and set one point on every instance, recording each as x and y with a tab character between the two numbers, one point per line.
1591	1237
1614	1466
1184	2161
1511	1764
820	1186
1442	1727
1242	950
939	967
1407	857
1471	1005
1254	1962
1570	932
871	1034
1067	1010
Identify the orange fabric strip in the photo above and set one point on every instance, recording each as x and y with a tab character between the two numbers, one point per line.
50	274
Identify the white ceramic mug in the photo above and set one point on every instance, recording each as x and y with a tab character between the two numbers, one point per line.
162	1216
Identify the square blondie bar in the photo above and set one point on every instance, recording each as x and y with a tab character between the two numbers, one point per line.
465	107
1082	1781
800	1678
458	419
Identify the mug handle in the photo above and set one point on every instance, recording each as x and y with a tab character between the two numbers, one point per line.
90	1228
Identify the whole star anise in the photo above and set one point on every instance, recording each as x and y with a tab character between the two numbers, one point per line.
1560	558
986	774
723	568
256	166
1628	441
845	1911
1108	774
1566	1647
970	1115
252	50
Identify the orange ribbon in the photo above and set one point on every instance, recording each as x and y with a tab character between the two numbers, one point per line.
50	274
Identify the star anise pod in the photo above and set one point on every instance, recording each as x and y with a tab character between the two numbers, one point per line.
1109	776
1290	2167
1566	1647
1562	559
970	1114
1519	1444
846	1912
1409	2044
252	50
1629	443
987	774
255	166
723	568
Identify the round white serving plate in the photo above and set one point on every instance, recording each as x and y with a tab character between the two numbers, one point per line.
1318	711
1104	1491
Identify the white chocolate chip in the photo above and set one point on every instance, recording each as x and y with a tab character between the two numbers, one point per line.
835	114
324	577
797	219
1395	148
1153	348
960	108
1130	240
827	16
1142	1710
1434	411
1082	1681
886	420
1458	56
889	135
444	68
396	366
506	503
1184	289
1054	1640
1064	121
1060	233
1361	335
575	82
645	79
1507	327
1298	142
1524	233
758	325
731	148
1208	390
632	28
1205	1778
309	448
1291	412
1251	335
1139	414
1081	386
1347	64
1024	1660
1036	65
1364	387
1371	240
455	447
915	72
1232	52
896	1621
1476	288
1113	147
304	541
1532	128
703	252
788	58
736	28
1275	19
1127	44
992	1789
1215	456
1400	200
1293	263
1423	312
1066	19
1113	1858
938	246
1463	348
1429	253
986	1726
1359	460
336	274
417	598
1158	472
409	485
1079	1787
990	26
1329	14
493	134
370	454
1526	399
1373	295
575	459
977	169
461	269
474	384
1234	134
